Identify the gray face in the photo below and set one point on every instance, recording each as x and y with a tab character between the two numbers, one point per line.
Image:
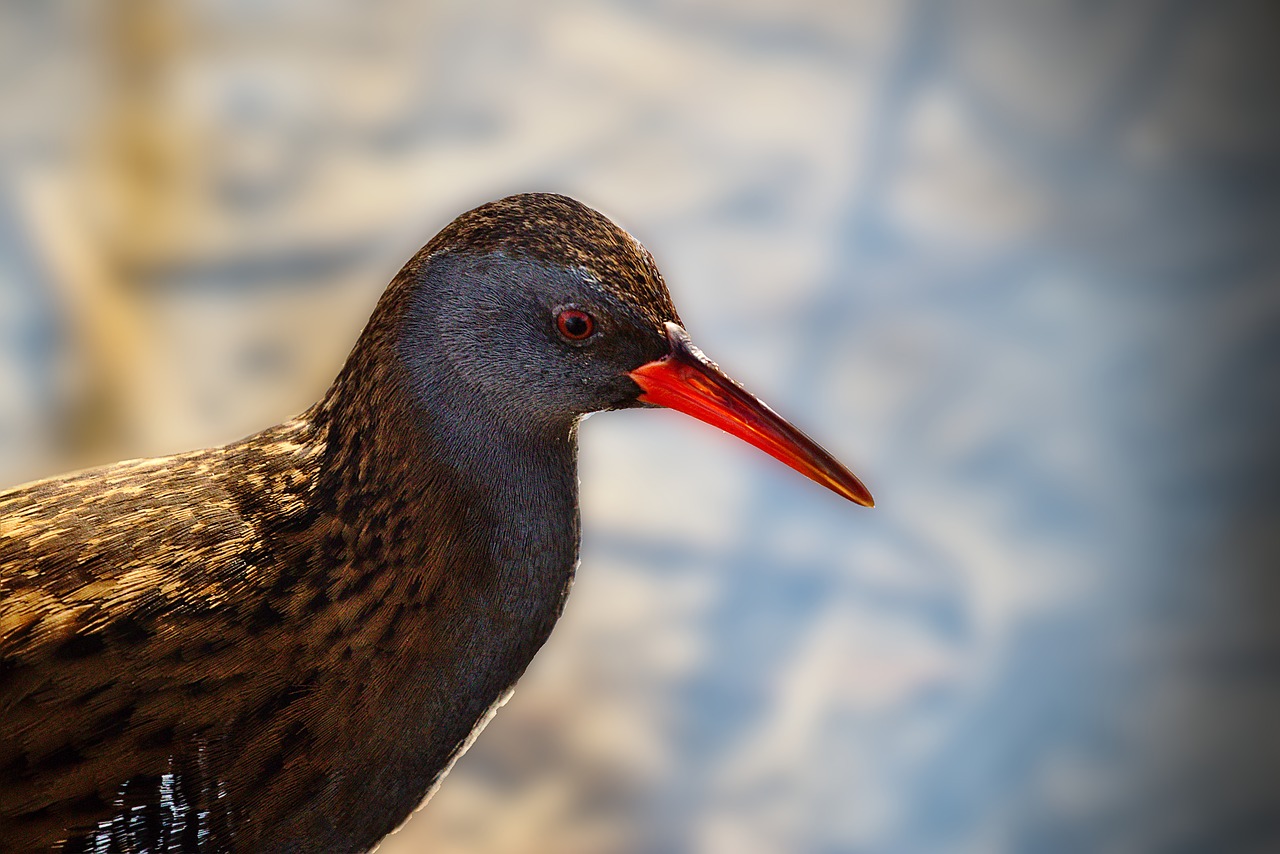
486	327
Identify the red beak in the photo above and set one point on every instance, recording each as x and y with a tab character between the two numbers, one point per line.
689	382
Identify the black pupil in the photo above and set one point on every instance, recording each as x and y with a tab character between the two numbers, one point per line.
575	324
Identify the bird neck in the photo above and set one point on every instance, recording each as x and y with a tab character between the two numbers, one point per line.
416	450
418	568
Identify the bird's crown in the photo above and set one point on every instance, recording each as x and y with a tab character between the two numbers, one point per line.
561	232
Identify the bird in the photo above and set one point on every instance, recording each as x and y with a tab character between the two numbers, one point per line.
283	643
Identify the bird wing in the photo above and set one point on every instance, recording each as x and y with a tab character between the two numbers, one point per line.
120	626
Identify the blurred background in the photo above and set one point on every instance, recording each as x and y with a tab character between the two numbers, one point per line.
1017	262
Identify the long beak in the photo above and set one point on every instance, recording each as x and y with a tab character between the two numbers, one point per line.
689	382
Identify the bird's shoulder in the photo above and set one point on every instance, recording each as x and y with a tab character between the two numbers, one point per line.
147	535
119	586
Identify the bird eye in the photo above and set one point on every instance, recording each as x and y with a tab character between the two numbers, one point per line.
575	325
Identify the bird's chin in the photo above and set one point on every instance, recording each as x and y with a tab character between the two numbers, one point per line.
624	393
634	403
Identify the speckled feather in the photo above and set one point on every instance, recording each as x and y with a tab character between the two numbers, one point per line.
562	232
230	649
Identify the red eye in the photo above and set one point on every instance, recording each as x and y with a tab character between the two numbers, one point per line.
575	325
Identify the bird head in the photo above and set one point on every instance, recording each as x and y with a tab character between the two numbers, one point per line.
544	310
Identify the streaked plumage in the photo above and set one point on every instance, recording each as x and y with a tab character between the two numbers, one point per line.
281	644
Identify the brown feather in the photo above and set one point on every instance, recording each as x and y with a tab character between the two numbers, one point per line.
230	649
